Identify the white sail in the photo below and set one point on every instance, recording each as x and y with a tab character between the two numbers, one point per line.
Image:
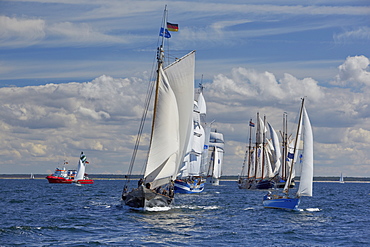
173	121
341	179
202	107
305	185
207	132
216	164
276	154
180	75
217	142
81	168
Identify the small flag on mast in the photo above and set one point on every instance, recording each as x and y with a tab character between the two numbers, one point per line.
172	27
165	33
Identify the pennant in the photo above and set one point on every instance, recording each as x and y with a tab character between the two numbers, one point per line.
172	27
166	33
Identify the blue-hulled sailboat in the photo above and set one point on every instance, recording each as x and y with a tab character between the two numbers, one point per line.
304	134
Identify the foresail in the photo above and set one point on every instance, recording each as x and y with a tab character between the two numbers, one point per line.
305	186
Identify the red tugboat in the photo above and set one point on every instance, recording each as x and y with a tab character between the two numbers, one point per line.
78	176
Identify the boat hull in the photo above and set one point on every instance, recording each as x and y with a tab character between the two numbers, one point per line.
252	184
281	203
61	180
265	184
85	181
192	187
142	197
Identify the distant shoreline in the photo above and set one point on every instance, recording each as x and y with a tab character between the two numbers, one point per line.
223	178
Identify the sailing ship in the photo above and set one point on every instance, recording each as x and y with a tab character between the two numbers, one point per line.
172	124
260	159
341	179
63	176
32	176
191	177
216	147
303	136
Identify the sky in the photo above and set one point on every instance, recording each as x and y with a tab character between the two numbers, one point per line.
74	74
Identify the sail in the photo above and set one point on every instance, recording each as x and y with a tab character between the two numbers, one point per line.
202	107
216	164
197	147
180	75
81	168
276	154
217	142
207	132
305	186
173	121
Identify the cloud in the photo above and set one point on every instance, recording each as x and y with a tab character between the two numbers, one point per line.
361	33
248	85
16	32
49	123
354	72
23	32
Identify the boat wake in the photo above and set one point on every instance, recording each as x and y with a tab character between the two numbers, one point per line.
198	207
309	210
313	209
156	209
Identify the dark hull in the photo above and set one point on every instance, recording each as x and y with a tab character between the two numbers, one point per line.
265	185
146	198
252	184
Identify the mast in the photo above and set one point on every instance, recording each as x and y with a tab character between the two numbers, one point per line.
285	145
286	190
257	143
263	146
249	147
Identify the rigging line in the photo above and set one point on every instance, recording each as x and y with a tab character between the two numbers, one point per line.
140	131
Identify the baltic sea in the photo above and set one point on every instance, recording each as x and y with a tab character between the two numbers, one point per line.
36	213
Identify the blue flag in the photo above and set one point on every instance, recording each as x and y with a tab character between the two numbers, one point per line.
166	33
290	155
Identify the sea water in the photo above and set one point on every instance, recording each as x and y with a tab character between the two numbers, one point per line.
36	213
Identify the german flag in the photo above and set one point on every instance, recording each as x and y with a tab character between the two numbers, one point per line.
172	27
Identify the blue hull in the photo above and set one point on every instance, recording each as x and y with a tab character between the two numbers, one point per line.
282	203
188	187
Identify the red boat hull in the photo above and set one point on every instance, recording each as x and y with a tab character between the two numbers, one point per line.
58	180
61	180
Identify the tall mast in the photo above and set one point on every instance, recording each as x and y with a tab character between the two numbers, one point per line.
249	148
295	147
263	146
257	143
160	58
